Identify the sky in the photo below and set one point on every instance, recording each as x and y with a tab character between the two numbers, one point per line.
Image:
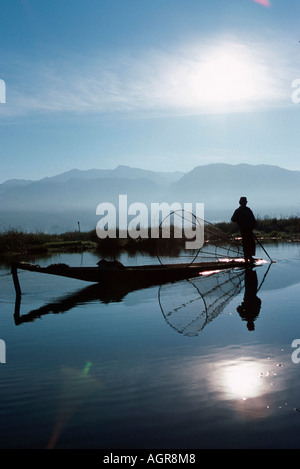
164	85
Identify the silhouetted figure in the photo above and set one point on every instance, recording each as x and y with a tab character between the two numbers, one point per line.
244	218
250	308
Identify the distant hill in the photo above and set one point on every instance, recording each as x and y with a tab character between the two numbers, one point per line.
121	171
56	204
271	190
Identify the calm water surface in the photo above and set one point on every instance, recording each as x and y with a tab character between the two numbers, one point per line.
195	364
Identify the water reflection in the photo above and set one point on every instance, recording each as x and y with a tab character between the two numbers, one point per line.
187	306
241	379
229	389
104	292
249	309
249	384
241	385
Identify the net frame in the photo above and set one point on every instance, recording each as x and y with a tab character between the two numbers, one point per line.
218	246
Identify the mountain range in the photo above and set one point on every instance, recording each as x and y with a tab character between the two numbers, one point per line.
58	203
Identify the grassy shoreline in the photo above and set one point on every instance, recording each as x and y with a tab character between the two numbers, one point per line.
18	243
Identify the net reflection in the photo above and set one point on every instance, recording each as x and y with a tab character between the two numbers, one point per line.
188	306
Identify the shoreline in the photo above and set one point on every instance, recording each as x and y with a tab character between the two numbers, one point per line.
15	243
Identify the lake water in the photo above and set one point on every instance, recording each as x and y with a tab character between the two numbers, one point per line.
181	366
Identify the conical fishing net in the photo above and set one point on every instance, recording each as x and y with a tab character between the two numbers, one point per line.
186	238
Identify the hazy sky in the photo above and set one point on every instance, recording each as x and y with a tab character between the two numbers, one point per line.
156	84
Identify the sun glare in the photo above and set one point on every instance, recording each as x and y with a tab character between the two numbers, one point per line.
228	75
242	380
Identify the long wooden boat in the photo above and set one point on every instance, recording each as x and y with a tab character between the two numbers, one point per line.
115	272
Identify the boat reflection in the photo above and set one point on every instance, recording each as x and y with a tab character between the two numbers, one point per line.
104	293
186	305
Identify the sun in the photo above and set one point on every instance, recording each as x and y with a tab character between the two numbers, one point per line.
223	75
227	75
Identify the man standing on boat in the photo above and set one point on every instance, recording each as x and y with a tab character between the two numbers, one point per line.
244	218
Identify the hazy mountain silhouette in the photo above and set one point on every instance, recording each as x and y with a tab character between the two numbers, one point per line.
271	190
57	203
121	171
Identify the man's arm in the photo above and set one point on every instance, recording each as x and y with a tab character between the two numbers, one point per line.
234	217
253	220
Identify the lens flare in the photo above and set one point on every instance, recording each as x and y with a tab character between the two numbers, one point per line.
77	387
265	3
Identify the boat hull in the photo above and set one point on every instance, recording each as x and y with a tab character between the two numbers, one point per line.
145	273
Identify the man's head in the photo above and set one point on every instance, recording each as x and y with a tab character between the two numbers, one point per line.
243	201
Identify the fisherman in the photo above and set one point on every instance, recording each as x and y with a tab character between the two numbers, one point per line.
244	218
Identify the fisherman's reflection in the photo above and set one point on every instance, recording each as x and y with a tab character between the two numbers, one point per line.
249	309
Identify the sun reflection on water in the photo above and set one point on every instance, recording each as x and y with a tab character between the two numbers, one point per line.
247	386
242	379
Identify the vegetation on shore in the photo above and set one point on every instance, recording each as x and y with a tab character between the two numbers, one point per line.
14	242
281	229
